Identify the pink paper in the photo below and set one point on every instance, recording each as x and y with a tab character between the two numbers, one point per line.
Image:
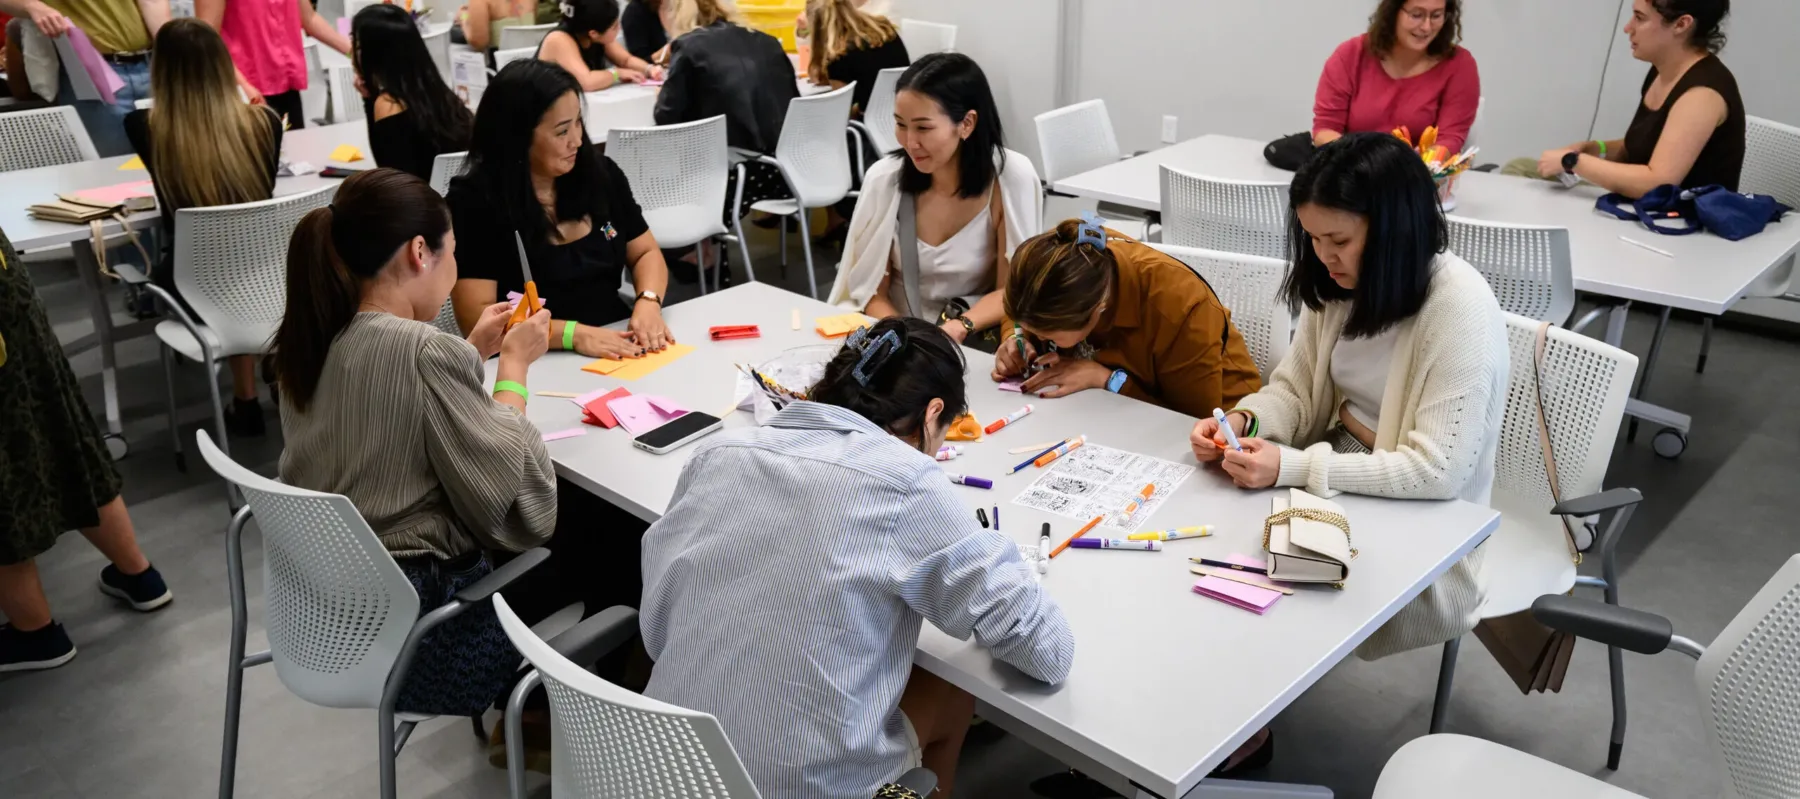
597	393
118	193
513	298
641	413
1246	560
596	412
561	434
1013	384
343	26
1249	597
105	79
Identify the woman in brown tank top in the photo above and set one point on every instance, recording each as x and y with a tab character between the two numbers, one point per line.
1689	126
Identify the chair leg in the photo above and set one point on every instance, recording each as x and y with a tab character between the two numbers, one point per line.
386	736
1705	345
168	364
737	229
234	677
812	278
784	245
700	264
224	438
1646	367
1440	707
1615	661
515	733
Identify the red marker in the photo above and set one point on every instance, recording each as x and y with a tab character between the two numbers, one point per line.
1001	423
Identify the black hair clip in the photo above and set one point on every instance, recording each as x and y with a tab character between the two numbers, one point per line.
875	351
1091	230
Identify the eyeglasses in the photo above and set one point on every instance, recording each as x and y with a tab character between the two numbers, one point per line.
1419	15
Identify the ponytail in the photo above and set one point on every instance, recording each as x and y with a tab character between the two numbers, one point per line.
891	371
333	251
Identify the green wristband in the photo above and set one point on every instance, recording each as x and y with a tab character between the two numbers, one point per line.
568	335
514	387
1602	143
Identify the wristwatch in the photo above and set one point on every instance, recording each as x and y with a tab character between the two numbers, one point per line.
1570	160
967	325
649	295
1117	381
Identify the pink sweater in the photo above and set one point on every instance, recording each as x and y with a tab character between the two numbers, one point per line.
1357	96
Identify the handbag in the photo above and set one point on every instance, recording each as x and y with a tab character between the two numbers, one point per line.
1290	152
1673	211
908	231
79	209
1308	540
1533	655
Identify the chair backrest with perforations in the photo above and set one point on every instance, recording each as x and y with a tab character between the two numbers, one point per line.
337	608
43	137
814	149
505	56
438	44
519	36
1225	215
607	741
446	166
879	116
346	101
678	175
231	265
446	319
1586	384
1250	288
1749	682
1528	266
924	38
1771	160
1076	138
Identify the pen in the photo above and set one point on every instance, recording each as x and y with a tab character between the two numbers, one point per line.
1238	578
1223	565
1197	531
1024	362
1002	423
996	517
972	482
1116	543
1033	459
1642	246
1078	533
1063	449
981	516
1230	436
1138	501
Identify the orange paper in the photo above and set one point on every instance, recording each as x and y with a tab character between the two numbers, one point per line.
634	368
841	325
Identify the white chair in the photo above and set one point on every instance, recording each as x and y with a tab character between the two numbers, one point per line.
444	167
1585	386
1226	215
1529	267
342	619
678	175
814	158
1772	167
43	137
438	45
520	36
606	741
1746	681
353	6
1250	288
1078	138
924	38
877	124
504	57
346	101
315	99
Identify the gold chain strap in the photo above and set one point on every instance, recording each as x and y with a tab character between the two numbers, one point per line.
1334	519
892	791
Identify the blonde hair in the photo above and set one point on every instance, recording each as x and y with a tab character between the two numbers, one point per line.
209	147
686	15
837	27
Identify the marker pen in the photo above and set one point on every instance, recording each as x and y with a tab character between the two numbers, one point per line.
981	516
1225	427
1197	531
1138	501
1043	565
1061	449
1001	423
1033	459
996	517
1116	543
972	482
949	453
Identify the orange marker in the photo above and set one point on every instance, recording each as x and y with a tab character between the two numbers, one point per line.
1138	501
1066	448
1078	533
1001	423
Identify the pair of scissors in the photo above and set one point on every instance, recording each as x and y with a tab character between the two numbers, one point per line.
530	304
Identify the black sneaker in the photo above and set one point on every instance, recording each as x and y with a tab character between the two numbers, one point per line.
145	592
44	648
245	418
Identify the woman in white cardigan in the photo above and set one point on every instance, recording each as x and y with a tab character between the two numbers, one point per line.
1396	381
973	200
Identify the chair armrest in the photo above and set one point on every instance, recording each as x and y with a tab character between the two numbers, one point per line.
920	781
739	154
1610	499
768	159
503	576
129	274
596	635
1636	630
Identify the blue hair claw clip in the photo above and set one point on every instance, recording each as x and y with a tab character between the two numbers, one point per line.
1091	230
875	353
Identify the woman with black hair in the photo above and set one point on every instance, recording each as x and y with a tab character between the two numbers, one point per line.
533	176
1689	125
586	43
949	207
641	22
413	116
833	533
1396	382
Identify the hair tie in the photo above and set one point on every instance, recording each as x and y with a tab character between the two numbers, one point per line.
566	8
1091	230
876	350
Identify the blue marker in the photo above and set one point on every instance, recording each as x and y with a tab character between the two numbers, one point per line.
1230	437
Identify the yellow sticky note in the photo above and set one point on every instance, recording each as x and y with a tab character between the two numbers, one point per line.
135	163
346	153
634	368
841	325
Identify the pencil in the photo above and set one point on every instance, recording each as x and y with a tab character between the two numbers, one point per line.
1236	578
1078	533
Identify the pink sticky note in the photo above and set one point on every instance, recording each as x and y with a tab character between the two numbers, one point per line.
642	413
1249	597
1012	384
343	26
561	434
596	410
1246	560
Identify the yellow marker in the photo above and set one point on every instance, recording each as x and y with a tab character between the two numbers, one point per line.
1197	531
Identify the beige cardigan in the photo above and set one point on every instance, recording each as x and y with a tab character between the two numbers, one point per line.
1436	438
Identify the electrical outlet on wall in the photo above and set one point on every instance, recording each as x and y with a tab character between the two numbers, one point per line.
1168	131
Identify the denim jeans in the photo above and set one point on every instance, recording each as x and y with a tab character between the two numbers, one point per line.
105	123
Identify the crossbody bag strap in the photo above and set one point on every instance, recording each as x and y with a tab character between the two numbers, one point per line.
908	238
1543	429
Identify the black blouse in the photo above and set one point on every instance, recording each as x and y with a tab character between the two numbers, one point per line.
862	65
643	29
399	143
1722	159
579	280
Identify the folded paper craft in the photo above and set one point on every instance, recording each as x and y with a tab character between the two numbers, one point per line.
841	325
634	368
639	414
594	410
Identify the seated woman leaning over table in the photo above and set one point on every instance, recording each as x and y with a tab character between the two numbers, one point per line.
1090	308
1409	69
973	201
1689	125
1396	382
586	43
533	176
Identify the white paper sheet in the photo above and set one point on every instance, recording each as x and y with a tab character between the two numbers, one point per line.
1101	481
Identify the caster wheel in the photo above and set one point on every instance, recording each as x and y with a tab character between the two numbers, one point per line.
1669	443
116	446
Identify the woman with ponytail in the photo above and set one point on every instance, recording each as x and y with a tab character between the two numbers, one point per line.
586	43
834	531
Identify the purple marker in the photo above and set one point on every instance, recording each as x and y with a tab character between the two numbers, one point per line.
1116	543
972	482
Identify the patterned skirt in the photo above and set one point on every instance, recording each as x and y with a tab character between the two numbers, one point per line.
463	664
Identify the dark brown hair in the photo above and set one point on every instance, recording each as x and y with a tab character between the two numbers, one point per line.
901	382
1384	25
333	251
1056	282
1709	16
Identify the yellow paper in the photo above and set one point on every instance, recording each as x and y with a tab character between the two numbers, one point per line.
135	163
841	325
346	153
634	368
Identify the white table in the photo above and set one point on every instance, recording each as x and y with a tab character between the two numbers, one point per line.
1707	274
29	186
1166	683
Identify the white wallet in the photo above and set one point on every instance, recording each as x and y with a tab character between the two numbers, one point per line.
1308	539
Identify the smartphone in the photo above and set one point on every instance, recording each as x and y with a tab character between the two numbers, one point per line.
337	172
678	432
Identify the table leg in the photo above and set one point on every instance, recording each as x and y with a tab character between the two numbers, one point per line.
1241	789
88	269
1672	439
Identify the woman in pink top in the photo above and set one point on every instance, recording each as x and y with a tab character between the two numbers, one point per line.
264	39
1407	70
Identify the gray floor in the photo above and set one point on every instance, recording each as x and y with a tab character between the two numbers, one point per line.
138	713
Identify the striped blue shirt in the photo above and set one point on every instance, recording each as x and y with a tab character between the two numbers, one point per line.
784	589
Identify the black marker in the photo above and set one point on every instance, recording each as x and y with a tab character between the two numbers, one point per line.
981	516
